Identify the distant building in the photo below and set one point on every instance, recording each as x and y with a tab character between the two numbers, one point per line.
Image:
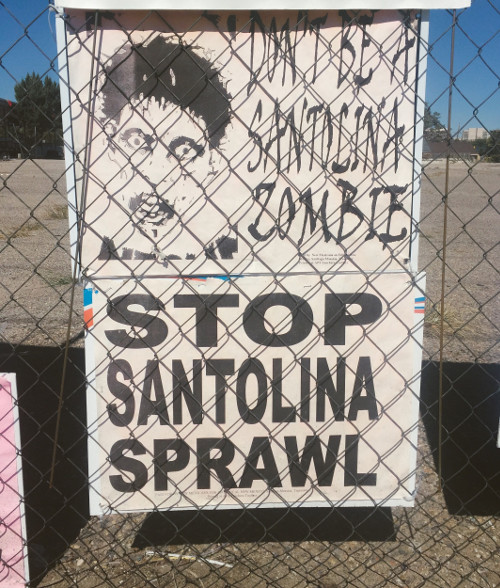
473	134
458	150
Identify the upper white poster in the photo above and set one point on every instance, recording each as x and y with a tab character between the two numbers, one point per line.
241	142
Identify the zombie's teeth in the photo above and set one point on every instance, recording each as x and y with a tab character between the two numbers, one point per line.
151	208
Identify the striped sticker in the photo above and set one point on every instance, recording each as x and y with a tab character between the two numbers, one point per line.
205	278
88	311
420	305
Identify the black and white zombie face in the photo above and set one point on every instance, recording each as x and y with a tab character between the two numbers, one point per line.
165	111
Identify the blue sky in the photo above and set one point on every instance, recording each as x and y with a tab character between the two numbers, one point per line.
476	65
27	43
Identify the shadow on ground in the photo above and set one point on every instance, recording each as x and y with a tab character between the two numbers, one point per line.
269	524
471	411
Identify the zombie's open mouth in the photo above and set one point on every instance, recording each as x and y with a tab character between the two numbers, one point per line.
150	208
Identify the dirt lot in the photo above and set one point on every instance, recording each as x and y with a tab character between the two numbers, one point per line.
472	278
35	264
36	268
426	547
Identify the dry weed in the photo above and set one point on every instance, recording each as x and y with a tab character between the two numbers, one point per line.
57	212
24	230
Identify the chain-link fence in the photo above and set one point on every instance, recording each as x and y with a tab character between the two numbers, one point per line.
244	408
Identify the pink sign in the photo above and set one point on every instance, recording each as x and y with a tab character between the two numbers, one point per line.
13	569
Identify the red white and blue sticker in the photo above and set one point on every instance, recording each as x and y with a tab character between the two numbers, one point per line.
225	278
420	305
88	310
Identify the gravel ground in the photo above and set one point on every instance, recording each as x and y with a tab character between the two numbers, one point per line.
472	275
36	272
429	546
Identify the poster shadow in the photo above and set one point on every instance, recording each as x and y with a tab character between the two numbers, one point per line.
266	525
470	421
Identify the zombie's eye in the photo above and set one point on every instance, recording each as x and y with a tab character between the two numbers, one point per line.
136	140
185	149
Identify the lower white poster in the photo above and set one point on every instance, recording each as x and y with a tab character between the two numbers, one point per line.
253	391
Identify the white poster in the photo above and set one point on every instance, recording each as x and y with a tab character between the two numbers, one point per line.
13	547
243	142
252	392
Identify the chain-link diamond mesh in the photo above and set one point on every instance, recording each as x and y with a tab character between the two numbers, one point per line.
179	254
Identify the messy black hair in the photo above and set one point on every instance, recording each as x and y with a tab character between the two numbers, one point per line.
167	71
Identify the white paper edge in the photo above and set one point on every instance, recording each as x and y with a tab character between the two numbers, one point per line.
417	335
19	464
68	141
258	4
419	140
93	448
345	503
